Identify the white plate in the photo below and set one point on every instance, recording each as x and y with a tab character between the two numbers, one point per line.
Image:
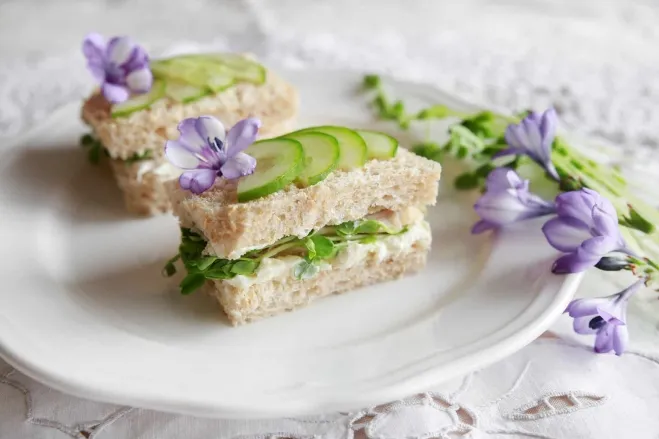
84	309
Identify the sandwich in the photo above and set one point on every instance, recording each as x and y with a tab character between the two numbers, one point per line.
314	212
131	126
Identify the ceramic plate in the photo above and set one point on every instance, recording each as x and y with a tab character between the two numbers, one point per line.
84	309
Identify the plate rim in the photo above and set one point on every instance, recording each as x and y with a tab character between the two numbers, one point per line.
70	385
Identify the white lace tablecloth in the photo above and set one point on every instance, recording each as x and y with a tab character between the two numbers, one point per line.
596	62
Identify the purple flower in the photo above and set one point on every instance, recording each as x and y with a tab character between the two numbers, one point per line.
120	66
586	228
606	317
533	137
207	153
507	200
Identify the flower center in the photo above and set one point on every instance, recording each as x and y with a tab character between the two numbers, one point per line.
596	322
217	145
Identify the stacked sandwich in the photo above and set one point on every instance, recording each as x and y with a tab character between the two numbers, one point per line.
228	86
326	210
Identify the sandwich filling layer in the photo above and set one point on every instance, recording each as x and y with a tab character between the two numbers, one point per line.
382	235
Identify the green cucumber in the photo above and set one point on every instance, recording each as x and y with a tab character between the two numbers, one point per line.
322	154
379	145
182	92
352	146
139	102
278	163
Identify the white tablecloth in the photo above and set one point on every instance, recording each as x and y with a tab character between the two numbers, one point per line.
597	62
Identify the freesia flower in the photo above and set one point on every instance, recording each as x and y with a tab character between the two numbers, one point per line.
586	228
120	66
606	317
507	200
207	153
533	137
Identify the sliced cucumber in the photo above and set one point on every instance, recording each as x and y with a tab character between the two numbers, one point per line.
139	102
321	153
218	82
352	146
278	163
218	71
379	145
182	92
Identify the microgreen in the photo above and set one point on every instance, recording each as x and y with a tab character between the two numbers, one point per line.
139	156
95	149
317	246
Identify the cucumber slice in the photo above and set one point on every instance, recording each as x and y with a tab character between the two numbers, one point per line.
278	164
218	82
352	146
217	71
139	102
379	145
321	152
182	92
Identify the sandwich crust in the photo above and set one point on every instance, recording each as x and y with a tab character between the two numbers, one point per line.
232	228
244	305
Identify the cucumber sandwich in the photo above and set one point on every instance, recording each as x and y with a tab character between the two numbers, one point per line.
325	210
227	86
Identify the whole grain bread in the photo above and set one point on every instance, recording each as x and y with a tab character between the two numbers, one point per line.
275	102
244	305
232	228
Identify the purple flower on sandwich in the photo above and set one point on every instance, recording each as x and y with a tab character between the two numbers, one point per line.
586	228
206	151
119	65
606	317
507	200
533	137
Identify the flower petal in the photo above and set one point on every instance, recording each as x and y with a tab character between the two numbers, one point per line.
534	141
190	136
114	93
604	340
501	179
586	307
139	81
97	70
137	60
620	339
604	223
502	207
119	50
198	180
596	247
571	263
565	234
509	151
93	47
548	123
516	137
242	134
482	226
578	204
238	166
209	128
581	325
180	155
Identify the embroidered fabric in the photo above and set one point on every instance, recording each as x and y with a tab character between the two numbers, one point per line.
596	63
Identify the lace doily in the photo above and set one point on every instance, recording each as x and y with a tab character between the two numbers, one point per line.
596	63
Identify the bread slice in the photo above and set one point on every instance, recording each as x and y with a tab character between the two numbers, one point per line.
279	291
233	228
275	102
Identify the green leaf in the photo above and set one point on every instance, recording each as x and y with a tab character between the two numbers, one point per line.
323	247
429	150
169	269
311	248
94	155
244	267
146	155
636	221
86	140
192	282
462	137
368	239
368	227
466	181
437	112
205	262
346	229
305	270
220	270
371	81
